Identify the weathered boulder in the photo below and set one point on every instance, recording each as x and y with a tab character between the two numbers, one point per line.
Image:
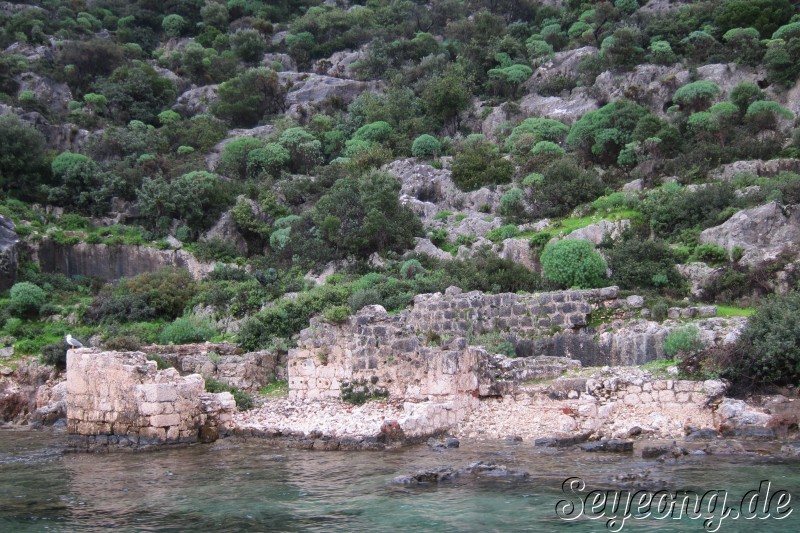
496	117
284	59
649	85
699	275
227	230
764	232
9	242
197	100
429	184
29	51
426	247
562	64
734	416
518	251
339	65
51	94
758	167
259	132
314	91
181	84
595	233
566	109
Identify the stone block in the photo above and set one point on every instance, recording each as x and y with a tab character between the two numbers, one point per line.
165	420
666	396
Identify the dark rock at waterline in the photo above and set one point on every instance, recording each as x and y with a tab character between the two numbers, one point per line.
561	442
492	470
701	434
611	446
49	414
750	433
478	469
665	450
428	475
449	442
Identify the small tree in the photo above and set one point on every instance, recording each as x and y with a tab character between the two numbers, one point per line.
573	263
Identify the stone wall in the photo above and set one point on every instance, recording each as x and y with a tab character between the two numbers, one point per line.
224	362
121	399
425	351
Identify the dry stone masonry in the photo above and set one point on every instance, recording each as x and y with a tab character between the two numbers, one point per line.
121	399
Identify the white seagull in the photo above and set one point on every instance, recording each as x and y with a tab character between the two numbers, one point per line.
74	343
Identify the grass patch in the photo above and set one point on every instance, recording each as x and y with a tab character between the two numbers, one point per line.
728	311
275	389
566	226
659	367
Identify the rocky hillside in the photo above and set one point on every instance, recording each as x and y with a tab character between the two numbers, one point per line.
195	170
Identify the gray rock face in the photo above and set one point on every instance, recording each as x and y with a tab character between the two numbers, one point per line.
113	262
562	64
518	251
59	137
259	132
181	84
648	85
31	52
197	100
51	94
313	91
565	109
764	232
699	275
339	65
490	124
426	247
284	59
595	233
759	167
429	184
227	230
8	253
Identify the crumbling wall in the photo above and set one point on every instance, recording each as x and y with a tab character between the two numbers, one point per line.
120	398
426	351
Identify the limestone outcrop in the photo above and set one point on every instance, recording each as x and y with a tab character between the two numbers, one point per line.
121	399
758	167
113	262
764	233
9	242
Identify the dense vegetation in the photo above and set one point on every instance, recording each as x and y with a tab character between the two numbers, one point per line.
310	190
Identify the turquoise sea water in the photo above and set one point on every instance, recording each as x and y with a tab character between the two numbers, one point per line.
253	485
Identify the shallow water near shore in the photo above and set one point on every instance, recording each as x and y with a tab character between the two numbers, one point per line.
255	485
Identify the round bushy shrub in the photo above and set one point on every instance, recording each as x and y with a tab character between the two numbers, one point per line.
768	351
363	298
187	329
573	263
409	269
26	298
426	146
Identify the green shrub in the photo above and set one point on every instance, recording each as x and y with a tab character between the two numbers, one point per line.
337	314
573	263
696	95
711	253
411	268
426	146
359	392
26	299
55	354
495	343
659	310
768	351
634	262
244	400
187	329
364	297
480	164
682	341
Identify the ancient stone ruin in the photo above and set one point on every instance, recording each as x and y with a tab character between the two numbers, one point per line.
121	399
